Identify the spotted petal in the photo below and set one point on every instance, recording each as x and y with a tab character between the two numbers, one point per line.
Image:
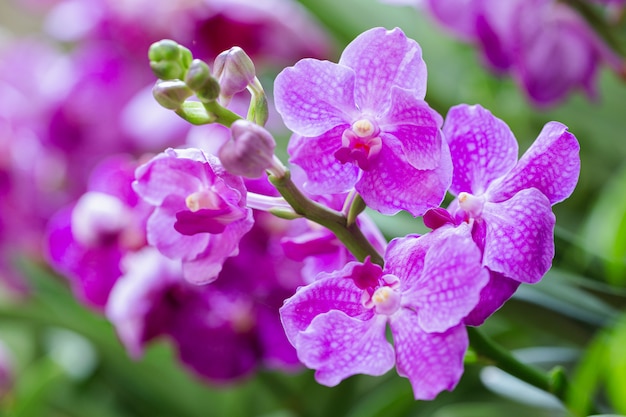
448	288
392	184
551	165
334	291
314	96
338	346
432	362
416	126
382	59
519	240
315	156
482	146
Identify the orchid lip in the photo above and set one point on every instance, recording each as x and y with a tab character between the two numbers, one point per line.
361	144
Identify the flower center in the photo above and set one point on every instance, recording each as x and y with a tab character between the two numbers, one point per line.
208	212
471	204
386	300
360	144
205	199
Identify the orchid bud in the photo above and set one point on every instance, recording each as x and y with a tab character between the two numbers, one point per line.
171	94
169	60
200	80
235	71
250	150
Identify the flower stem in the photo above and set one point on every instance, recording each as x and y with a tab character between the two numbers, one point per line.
222	115
554	382
349	234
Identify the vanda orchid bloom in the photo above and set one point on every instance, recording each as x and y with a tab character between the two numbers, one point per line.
428	285
363	123
507	202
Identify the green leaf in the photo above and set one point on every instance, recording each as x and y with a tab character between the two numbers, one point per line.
616	366
605	229
558	292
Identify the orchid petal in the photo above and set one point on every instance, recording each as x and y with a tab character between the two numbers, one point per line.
551	165
381	59
315	96
482	146
338	346
432	362
519	241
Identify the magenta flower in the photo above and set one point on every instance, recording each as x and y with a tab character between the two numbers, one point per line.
87	240
506	202
363	123
546	46
221	331
200	210
429	284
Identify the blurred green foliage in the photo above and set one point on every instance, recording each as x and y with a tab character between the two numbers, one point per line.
579	305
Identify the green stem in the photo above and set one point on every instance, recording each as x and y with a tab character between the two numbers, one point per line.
349	234
554	382
222	115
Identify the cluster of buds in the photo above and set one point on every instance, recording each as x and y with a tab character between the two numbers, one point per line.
250	151
181	76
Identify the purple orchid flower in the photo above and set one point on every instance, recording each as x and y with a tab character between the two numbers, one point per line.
429	284
507	202
222	331
87	239
363	123
200	210
546	46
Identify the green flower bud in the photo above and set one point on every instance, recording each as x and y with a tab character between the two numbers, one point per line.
169	60
171	94
200	80
235	71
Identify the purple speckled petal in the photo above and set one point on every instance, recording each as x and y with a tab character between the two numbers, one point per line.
519	241
551	165
404	258
392	184
168	174
416	126
338	346
497	291
381	59
451	281
314	96
334	291
315	155
432	362
482	146
168	241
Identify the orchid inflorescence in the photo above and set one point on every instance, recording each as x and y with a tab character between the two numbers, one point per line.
240	259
